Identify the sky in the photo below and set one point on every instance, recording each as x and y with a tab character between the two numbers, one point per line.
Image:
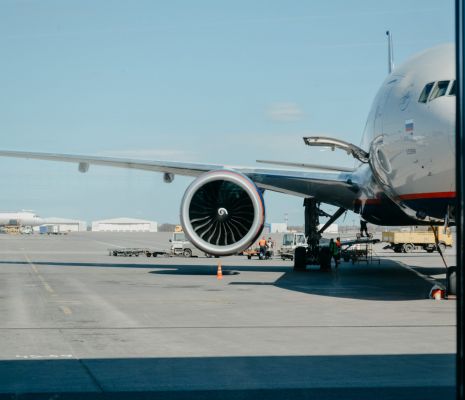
206	81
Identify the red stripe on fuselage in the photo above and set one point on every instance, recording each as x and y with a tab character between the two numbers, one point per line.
421	196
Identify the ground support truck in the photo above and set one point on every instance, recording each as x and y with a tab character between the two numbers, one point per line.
136	252
405	242
255	252
180	246
290	242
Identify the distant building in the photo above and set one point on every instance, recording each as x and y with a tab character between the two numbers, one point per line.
278	227
124	225
62	225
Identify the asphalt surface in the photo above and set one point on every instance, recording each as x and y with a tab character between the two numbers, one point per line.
77	322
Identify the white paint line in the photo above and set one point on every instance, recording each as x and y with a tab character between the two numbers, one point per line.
37	356
109	244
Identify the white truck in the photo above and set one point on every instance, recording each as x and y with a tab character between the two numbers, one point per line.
180	246
290	242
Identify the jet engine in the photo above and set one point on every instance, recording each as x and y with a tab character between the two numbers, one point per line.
222	212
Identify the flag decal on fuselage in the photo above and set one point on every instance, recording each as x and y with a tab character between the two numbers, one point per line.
409	126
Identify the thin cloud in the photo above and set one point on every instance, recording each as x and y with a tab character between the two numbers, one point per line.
285	112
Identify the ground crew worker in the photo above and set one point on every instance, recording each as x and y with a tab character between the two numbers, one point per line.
332	250
269	247
338	248
269	244
363	228
262	245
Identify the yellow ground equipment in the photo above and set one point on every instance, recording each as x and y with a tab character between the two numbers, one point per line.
405	242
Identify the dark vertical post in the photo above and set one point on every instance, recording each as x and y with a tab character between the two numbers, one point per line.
460	185
311	224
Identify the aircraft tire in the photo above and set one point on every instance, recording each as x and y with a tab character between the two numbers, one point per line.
300	255
187	253
325	259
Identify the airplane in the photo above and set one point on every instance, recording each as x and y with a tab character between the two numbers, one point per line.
20	218
405	173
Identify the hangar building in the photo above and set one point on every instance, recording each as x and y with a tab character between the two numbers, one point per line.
64	225
124	225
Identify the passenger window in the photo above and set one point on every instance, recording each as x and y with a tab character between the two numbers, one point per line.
425	92
452	89
439	90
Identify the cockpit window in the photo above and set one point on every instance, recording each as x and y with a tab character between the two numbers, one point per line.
452	89
425	92
440	89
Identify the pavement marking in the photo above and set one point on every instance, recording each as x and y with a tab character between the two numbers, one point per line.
46	285
209	327
37	356
66	310
109	244
34	268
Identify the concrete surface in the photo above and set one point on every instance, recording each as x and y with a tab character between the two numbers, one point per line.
77	322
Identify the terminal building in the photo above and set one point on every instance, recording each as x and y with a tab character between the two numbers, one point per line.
124	225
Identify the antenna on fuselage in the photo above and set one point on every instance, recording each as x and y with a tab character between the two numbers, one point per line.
390	52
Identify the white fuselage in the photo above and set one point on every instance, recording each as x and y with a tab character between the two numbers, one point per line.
410	135
22	218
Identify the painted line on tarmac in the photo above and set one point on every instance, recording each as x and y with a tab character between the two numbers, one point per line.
245	327
109	244
46	285
45	356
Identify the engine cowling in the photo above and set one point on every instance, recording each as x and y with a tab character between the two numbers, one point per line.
222	212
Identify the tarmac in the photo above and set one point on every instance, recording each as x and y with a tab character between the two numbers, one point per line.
76	322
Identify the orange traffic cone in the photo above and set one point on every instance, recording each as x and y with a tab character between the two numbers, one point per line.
437	293
219	272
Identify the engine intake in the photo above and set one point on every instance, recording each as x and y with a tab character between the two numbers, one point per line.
222	212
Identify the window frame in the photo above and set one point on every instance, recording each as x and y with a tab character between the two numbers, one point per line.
436	89
426	99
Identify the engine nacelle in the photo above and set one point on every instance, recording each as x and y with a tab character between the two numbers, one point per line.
222	212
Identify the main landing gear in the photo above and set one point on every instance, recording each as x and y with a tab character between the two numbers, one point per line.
314	253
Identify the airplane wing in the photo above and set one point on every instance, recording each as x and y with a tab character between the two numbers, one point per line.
332	187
